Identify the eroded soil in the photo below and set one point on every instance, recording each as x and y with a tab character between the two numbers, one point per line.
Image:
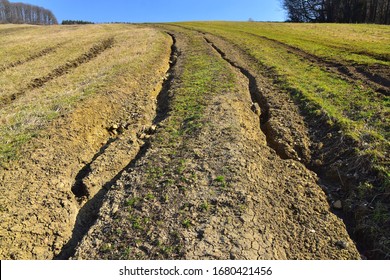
115	180
52	193
221	192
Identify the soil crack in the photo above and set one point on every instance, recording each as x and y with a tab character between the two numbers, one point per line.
89	212
79	189
258	99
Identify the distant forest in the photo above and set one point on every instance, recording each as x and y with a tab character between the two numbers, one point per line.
339	11
25	13
73	22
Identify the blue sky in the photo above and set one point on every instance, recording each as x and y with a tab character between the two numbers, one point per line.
162	10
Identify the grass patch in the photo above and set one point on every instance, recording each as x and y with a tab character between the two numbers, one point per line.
351	109
361	113
357	43
220	181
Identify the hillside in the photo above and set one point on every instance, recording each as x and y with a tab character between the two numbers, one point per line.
198	140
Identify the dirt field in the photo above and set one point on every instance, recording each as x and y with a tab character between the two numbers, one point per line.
58	172
176	146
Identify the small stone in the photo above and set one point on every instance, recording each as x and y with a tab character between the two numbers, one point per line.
256	109
142	136
115	209
120	129
338	205
342	244
152	129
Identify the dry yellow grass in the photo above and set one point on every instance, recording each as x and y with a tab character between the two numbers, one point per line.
133	49
58	122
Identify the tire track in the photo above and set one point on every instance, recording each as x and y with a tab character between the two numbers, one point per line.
212	193
350	73
86	181
338	167
40	54
92	53
259	106
267	127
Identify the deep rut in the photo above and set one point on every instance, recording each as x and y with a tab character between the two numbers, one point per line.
259	98
90	188
259	104
217	192
331	155
83	151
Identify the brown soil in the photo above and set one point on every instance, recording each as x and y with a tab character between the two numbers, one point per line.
41	200
224	193
105	182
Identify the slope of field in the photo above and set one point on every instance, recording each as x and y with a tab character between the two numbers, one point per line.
207	186
194	141
339	77
73	103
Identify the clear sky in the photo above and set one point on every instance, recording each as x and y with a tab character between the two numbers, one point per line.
162	10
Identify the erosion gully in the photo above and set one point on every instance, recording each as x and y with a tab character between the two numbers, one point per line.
256	95
90	206
258	98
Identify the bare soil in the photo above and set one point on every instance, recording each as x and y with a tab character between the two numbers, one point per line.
107	182
224	193
43	207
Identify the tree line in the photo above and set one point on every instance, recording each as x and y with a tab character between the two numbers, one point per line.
25	13
73	22
340	11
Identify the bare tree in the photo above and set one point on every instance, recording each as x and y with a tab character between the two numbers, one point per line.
25	13
347	11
